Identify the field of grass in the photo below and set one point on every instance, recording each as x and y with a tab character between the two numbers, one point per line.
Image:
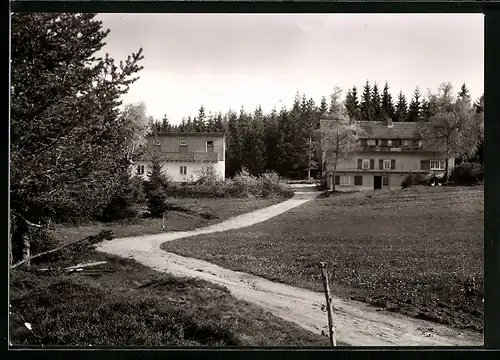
127	304
185	214
417	251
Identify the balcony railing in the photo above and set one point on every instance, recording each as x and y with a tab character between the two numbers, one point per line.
386	148
190	157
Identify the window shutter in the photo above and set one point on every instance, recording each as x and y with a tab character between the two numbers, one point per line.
337	180
372	164
360	163
425	165
358	180
381	164
393	164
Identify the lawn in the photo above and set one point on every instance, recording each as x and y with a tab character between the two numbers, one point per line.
417	251
185	214
127	304
123	303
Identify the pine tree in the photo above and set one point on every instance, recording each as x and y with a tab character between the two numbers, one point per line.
68	143
366	108
387	103
425	111
183	125
190	125
233	153
352	105
210	125
156	185
323	107
414	108
401	108
464	95
165	124
219	123
376	103
199	123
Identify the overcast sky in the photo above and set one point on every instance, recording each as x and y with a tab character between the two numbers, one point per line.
229	60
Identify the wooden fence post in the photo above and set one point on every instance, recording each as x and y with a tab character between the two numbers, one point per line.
163	222
326	287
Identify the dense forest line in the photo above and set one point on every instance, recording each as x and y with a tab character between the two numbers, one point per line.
286	140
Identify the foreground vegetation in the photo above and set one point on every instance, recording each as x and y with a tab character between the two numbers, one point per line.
126	304
417	251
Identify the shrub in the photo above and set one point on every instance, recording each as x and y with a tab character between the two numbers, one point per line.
467	173
208	175
413	179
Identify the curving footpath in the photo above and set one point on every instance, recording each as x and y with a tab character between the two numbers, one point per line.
356	323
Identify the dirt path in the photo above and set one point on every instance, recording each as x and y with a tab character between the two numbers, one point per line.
356	323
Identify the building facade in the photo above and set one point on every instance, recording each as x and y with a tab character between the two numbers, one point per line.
385	154
183	155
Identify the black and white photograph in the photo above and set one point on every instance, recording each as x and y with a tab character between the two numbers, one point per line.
246	180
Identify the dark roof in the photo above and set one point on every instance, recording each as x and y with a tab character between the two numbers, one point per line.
177	134
398	130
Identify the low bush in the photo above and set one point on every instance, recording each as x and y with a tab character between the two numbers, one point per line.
467	173
242	185
413	179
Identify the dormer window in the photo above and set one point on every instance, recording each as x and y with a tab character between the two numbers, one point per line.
210	146
183	146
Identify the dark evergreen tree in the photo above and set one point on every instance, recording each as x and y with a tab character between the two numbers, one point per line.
401	108
183	125
156	185
190	124
199	123
352	105
366	108
387	103
414	108
376	104
233	153
210	124
165	124
68	143
323	107
219	123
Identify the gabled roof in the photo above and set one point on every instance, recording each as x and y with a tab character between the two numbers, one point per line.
396	130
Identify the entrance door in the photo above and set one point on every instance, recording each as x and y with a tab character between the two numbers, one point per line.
385	182
377	182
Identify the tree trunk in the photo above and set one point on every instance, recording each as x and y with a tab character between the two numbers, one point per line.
333	178
445	180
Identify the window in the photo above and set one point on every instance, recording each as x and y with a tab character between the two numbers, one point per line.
140	169
406	142
437	164
345	180
337	180
389	142
366	164
183	170
156	142
358	180
387	165
210	146
385	180
183	146
371	142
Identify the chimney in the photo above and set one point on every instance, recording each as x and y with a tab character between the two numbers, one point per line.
389	122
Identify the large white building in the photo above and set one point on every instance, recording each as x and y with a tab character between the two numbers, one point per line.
183	155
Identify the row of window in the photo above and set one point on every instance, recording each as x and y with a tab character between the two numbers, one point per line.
390	142
390	164
358	180
184	143
140	170
384	164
